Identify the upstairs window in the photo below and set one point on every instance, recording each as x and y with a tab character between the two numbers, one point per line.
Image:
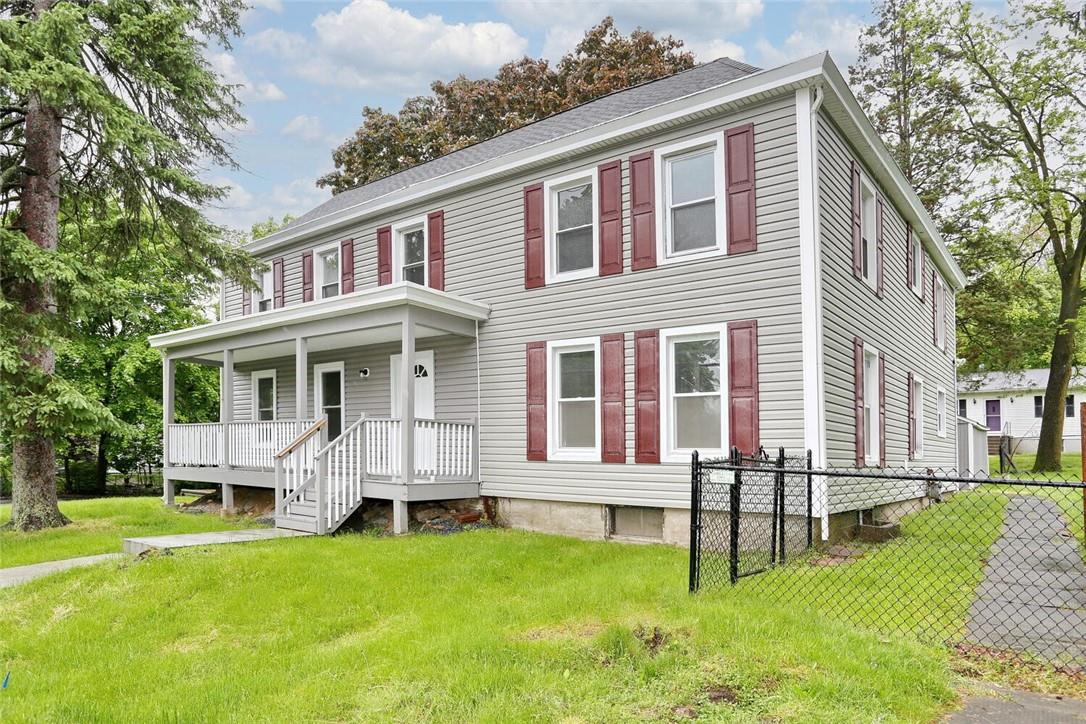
916	272
264	297
571	220
410	252
868	243
940	312
940	412
327	271
691	181
574	388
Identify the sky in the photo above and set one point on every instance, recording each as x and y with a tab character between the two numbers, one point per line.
306	69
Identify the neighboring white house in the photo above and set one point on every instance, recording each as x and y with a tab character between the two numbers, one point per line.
1011	403
558	317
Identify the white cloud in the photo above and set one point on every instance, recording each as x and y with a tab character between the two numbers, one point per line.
309	129
226	65
276	6
704	25
818	27
369	44
241	208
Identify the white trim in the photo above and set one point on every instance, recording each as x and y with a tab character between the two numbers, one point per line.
872	260
264	292
318	403
318	270
918	416
550	226
668	452
374	298
938	298
555	348
873	401
918	254
814	393
940	411
663	193
255	398
398	230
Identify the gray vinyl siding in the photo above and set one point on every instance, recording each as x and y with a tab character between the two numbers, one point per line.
484	261
899	325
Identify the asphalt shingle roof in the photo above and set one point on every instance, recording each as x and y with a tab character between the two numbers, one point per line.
578	118
1031	379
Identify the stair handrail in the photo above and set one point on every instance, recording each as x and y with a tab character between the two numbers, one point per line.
325	519
302	437
350	428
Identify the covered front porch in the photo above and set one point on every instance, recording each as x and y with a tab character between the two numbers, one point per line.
333	401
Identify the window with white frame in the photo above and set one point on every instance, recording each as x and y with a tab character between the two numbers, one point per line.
410	252
327	271
264	297
916	274
571	226
940	313
872	422
918	418
868	242
694	385
574	389
264	394
1069	406
940	412
690	177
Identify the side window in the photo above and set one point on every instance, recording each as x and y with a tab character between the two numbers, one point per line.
939	302
692	206
264	395
264	297
1038	405
872	421
571	216
694	389
574	389
918	417
916	272
868	248
1069	406
327	271
940	412
410	252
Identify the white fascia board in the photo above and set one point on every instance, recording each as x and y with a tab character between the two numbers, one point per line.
900	187
400	293
780	79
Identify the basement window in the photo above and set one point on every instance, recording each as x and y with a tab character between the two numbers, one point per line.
625	521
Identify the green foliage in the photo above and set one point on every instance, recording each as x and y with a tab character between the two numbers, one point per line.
464	111
269	226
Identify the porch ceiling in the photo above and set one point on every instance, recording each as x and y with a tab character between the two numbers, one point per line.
371	316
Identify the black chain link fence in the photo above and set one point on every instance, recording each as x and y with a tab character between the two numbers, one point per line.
984	564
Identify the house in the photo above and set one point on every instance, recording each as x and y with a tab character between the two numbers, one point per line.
556	318
1011	404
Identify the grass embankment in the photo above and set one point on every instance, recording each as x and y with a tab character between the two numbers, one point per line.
494	625
1070	500
98	525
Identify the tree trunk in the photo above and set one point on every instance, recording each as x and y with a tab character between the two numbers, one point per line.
1050	444
34	488
101	471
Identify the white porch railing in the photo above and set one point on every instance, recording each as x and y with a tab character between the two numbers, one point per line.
383	447
248	444
194	445
295	467
444	449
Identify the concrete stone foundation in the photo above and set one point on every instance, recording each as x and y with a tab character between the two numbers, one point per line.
582	520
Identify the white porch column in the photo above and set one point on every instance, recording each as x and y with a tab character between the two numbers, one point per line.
226	401
407	416
168	365
301	378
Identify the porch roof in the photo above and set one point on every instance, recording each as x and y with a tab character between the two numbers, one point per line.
321	317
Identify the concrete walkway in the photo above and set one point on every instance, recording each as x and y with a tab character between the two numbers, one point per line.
1033	595
22	574
187	540
1009	706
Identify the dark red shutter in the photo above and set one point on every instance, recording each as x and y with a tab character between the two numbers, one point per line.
246	301
739	189
642	213
536	366
857	223
435	237
910	278
878	246
912	423
647	396
882	410
613	397
610	218
743	385
384	256
307	276
279	298
923	268
535	274
346	266
858	373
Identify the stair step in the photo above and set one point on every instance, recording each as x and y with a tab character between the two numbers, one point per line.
299	508
308	525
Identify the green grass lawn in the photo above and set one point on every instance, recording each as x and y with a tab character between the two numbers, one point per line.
491	625
98	525
1068	499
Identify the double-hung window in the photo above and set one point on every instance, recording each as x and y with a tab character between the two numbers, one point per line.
872	421
264	394
409	254
574	374
1038	405
264	298
690	177
940	312
918	418
916	273
327	271
1069	406
940	412
571	219
693	382
868	242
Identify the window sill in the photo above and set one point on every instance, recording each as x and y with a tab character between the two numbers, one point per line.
684	456
700	255
573	276
574	456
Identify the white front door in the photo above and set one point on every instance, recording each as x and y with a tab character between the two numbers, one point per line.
328	396
425	442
